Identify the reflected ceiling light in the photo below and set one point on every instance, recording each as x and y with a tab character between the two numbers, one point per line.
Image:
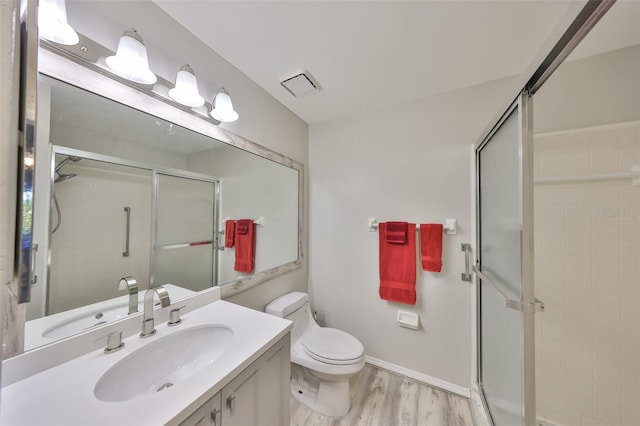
130	60
186	90
222	107
52	23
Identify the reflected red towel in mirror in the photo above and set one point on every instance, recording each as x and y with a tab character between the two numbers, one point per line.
229	233
398	267
431	246
245	245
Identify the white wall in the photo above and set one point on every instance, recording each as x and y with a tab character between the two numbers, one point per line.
262	119
407	162
600	89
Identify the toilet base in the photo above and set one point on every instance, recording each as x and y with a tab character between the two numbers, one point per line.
331	398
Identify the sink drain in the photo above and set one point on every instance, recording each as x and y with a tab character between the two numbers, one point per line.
164	386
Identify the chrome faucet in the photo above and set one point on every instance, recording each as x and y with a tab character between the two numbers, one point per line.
148	328
132	287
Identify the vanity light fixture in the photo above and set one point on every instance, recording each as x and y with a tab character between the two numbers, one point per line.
185	91
130	60
53	25
222	107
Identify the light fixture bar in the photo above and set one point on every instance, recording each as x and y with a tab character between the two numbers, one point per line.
91	54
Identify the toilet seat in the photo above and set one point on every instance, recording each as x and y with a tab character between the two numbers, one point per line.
332	346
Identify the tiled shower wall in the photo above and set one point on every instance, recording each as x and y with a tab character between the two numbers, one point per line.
587	271
86	251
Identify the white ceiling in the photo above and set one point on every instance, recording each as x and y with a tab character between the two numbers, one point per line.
368	54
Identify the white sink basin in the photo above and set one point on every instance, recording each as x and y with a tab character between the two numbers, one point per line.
164	363
86	321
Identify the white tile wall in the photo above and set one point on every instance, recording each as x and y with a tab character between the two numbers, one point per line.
92	206
587	271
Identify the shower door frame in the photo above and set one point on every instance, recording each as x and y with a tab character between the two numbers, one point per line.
580	19
527	303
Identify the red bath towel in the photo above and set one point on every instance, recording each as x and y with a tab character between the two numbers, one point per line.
229	233
398	267
431	246
245	245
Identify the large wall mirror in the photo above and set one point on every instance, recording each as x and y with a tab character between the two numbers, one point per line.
125	192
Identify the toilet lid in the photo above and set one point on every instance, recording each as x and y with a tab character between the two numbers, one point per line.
332	346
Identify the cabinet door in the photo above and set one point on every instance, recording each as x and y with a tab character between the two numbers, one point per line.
241	397
274	387
208	414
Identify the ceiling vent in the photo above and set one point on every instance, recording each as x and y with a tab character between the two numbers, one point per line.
300	85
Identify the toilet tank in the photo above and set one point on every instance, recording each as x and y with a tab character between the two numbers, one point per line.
294	307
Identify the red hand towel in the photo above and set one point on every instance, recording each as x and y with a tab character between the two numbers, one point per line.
398	267
229	233
242	227
245	246
396	232
431	246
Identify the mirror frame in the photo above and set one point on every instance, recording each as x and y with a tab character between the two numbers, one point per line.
72	69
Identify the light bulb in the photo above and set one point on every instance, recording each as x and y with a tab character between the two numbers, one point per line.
222	107
53	25
130	60
186	90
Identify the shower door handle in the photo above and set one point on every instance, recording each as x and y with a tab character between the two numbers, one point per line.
466	248
527	308
125	253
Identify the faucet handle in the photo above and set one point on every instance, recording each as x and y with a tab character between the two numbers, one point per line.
114	342
174	316
128	283
163	294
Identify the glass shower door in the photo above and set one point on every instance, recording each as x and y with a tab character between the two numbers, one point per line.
504	269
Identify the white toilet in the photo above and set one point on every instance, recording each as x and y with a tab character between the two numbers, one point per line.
323	359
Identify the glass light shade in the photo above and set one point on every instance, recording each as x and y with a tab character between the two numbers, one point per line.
130	60
53	25
222	107
186	90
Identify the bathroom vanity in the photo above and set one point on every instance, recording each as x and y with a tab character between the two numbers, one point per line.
224	364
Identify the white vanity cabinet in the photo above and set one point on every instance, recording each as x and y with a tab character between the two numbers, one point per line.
208	414
258	396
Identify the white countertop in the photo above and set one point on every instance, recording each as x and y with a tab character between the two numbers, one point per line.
64	395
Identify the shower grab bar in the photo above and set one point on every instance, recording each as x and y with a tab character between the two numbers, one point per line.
125	253
527	308
466	248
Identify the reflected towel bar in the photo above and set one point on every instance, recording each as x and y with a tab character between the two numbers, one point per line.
259	222
183	245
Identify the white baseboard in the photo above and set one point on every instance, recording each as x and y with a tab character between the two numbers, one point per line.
421	377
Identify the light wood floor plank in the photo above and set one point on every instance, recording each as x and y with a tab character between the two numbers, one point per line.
382	398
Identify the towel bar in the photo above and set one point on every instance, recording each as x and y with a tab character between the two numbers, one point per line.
449	227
